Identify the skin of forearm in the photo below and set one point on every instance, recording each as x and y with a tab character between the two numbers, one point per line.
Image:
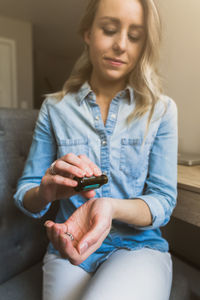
32	202
132	211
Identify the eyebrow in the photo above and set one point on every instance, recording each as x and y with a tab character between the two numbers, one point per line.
117	21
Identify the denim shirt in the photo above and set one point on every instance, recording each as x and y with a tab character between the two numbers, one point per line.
135	169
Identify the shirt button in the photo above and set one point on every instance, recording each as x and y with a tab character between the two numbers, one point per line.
104	143
97	118
113	116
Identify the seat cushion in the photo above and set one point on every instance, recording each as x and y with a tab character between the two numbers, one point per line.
186	280
26	285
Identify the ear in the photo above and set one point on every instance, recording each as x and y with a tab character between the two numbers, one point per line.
87	37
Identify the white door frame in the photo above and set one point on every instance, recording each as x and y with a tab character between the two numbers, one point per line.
13	59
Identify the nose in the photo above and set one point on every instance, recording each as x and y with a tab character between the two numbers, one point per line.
120	43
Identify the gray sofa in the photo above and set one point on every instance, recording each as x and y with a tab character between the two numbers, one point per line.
22	239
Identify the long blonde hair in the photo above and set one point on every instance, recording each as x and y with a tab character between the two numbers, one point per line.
144	78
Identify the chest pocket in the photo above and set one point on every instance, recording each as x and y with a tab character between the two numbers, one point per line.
134	156
76	146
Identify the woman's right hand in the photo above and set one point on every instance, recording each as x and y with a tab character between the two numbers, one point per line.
60	184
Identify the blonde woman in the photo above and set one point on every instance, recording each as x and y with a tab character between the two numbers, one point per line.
110	118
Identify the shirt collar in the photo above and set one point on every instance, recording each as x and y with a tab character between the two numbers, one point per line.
86	91
130	92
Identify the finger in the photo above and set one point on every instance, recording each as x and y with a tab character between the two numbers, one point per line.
88	194
65	168
49	224
97	233
55	235
56	230
95	169
74	160
63	228
67	250
53	231
60	180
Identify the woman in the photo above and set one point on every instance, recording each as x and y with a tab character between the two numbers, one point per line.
109	118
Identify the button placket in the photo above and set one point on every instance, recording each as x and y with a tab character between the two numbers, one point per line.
104	143
113	116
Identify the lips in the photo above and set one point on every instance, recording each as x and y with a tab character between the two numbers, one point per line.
115	61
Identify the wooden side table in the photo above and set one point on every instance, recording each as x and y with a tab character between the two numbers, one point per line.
188	202
183	230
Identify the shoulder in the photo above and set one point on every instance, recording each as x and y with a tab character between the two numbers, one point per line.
168	102
49	101
165	107
54	101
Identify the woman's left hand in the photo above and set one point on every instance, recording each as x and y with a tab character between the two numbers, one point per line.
89	226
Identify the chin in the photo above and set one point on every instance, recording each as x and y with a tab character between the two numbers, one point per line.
115	77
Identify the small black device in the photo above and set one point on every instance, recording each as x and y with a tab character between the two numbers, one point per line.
90	183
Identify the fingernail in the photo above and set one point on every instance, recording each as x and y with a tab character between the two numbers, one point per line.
83	247
47	223
74	183
97	171
82	173
89	172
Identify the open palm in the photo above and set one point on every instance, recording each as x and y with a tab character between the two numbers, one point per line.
89	225
91	222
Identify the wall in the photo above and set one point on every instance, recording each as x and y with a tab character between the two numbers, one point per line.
180	66
51	71
21	32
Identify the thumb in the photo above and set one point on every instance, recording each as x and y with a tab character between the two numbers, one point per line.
92	236
89	194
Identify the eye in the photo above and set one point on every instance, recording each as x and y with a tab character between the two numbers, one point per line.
109	31
134	38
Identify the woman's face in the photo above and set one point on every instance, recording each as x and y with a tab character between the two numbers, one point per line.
116	39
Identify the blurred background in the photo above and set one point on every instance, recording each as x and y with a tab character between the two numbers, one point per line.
39	45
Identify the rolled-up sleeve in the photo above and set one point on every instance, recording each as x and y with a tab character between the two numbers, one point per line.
41	154
160	192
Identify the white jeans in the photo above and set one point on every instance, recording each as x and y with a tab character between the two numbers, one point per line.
143	274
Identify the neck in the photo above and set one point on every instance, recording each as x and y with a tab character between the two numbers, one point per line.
106	89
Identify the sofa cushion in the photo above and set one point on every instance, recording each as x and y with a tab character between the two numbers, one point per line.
186	280
27	285
23	239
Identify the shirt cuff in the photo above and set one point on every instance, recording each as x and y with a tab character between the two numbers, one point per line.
157	212
19	195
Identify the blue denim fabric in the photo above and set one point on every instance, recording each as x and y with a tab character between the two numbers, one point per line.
135	170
